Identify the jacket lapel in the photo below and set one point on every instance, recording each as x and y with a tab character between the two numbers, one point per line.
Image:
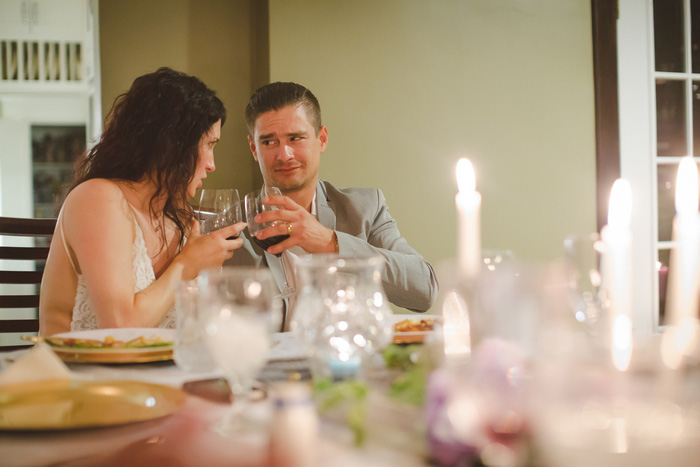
326	215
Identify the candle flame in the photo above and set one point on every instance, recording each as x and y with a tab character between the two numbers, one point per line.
687	187
620	207
466	180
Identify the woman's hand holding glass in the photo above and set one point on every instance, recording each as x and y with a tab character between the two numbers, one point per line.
219	209
209	251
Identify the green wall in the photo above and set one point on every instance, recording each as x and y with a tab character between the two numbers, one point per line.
409	86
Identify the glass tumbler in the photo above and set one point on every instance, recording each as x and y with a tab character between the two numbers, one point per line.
190	352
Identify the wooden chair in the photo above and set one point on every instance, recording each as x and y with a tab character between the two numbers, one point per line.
24	246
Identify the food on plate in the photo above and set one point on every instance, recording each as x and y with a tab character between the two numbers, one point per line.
412	331
109	342
415	325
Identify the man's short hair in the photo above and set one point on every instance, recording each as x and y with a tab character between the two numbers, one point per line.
275	96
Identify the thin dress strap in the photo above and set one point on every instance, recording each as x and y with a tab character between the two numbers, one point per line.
63	239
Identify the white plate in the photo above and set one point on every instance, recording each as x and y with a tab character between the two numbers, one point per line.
285	346
118	355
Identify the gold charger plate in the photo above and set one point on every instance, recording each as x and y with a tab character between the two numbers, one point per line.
105	356
65	404
117	355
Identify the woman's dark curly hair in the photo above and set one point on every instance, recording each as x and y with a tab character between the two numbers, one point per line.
153	130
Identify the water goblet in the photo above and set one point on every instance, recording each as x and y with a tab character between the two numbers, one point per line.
240	304
253	206
583	259
219	209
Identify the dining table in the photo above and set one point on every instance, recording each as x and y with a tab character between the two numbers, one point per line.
186	436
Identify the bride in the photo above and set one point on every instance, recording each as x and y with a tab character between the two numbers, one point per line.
126	233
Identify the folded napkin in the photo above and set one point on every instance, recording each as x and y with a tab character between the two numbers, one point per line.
39	364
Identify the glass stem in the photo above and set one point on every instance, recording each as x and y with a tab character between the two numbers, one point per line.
284	273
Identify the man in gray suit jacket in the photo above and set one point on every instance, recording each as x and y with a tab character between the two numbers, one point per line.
287	139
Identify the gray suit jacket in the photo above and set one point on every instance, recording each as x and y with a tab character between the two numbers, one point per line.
361	220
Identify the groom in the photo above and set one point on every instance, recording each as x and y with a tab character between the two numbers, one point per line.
287	138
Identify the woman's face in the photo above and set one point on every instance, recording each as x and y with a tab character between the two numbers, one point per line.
205	163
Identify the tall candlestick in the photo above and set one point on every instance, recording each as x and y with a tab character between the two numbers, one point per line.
617	271
682	303
468	202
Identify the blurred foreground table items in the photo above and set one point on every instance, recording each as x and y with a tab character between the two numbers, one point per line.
185	436
607	398
477	401
526	381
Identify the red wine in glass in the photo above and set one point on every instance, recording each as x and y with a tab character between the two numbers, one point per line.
253	206
268	242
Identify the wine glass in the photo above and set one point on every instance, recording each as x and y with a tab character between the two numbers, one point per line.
219	209
253	206
240	305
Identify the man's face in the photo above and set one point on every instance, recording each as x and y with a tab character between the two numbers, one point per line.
205	163
287	148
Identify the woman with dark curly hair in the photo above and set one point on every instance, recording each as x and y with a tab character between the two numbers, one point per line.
126	233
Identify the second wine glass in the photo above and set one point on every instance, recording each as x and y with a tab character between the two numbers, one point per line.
253	206
219	209
241	311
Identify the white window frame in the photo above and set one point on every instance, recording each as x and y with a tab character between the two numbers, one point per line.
638	145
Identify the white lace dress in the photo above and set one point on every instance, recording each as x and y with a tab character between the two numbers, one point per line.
83	312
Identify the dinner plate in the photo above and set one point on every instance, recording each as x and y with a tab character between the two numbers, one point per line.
117	355
66	404
286	347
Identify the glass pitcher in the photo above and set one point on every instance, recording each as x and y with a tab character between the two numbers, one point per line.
341	314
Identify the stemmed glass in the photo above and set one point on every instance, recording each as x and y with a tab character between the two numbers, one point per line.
240	306
253	206
219	209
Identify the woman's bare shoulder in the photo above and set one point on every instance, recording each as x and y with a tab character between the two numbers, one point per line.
101	187
96	197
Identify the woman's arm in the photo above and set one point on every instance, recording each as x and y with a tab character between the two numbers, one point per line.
99	229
